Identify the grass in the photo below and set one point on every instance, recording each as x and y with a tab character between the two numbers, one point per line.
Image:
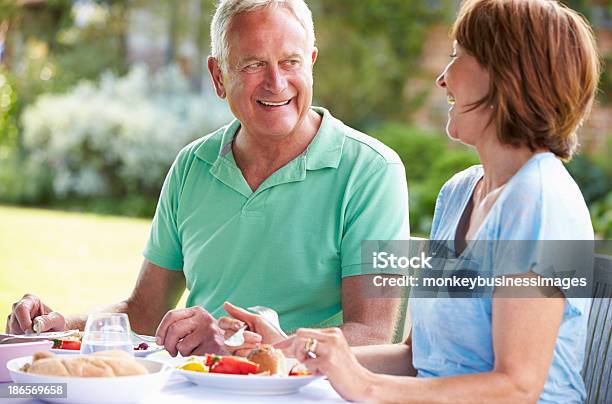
75	262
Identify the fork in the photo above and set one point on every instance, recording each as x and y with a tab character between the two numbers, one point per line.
237	338
270	316
145	338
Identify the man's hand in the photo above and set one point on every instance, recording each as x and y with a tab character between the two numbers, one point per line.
260	330
191	331
27	309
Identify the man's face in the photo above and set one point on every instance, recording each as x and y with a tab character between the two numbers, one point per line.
268	77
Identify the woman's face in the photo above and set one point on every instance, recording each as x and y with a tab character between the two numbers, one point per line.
465	82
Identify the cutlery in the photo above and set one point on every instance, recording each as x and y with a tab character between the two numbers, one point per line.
270	316
145	338
237	339
30	337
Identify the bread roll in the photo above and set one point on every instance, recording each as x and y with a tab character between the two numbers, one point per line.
106	364
269	360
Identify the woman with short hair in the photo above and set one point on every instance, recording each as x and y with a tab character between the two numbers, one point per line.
522	78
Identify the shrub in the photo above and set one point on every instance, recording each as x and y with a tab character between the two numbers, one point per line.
117	139
601	214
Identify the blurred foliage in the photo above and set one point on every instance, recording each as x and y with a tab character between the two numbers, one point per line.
591	177
601	214
368	50
8	115
605	83
593	174
430	161
79	149
93	149
47	52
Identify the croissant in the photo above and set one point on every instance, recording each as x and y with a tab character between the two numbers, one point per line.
99	364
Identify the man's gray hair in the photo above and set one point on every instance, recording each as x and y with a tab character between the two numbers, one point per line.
226	9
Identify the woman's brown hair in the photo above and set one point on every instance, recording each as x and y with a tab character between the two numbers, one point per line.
543	64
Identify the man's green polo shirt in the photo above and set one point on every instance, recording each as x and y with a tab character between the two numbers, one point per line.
288	244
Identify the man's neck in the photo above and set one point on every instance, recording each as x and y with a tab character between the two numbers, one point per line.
259	157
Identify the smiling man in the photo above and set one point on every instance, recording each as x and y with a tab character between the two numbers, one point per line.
269	210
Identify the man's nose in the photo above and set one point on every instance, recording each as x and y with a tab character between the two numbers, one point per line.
275	81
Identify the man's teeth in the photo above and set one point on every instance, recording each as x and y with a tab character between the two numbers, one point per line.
450	99
274	104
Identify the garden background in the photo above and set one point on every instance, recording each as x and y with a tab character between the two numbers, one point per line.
97	97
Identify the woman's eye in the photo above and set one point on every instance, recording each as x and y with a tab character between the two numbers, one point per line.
453	54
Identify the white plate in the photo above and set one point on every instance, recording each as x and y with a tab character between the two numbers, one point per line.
99	389
58	351
138	354
244	384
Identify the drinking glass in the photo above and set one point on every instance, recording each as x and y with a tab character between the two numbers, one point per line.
106	332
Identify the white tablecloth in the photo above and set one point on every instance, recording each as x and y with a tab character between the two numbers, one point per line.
177	390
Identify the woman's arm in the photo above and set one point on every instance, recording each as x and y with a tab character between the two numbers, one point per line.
524	336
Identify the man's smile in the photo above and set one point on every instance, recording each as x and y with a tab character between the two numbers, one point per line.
273	104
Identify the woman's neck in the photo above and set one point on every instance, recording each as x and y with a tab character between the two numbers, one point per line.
500	162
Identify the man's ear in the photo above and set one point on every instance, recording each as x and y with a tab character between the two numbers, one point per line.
315	52
216	74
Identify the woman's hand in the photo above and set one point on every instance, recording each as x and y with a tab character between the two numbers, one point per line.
260	332
334	359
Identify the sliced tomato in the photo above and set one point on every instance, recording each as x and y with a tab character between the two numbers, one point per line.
72	345
211	359
234	365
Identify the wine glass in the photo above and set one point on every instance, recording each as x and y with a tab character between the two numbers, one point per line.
106	332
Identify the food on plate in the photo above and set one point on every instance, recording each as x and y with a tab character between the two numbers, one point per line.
299	370
143	346
233	365
99	364
269	360
194	364
71	343
262	361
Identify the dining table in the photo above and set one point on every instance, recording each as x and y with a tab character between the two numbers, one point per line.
179	390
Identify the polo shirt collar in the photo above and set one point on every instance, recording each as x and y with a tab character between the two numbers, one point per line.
324	151
216	146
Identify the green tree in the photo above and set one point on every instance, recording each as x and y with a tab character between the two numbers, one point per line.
368	50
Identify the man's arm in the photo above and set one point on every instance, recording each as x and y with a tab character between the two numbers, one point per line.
367	320
389	359
157	290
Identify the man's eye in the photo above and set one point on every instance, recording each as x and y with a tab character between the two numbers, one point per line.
292	62
254	66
